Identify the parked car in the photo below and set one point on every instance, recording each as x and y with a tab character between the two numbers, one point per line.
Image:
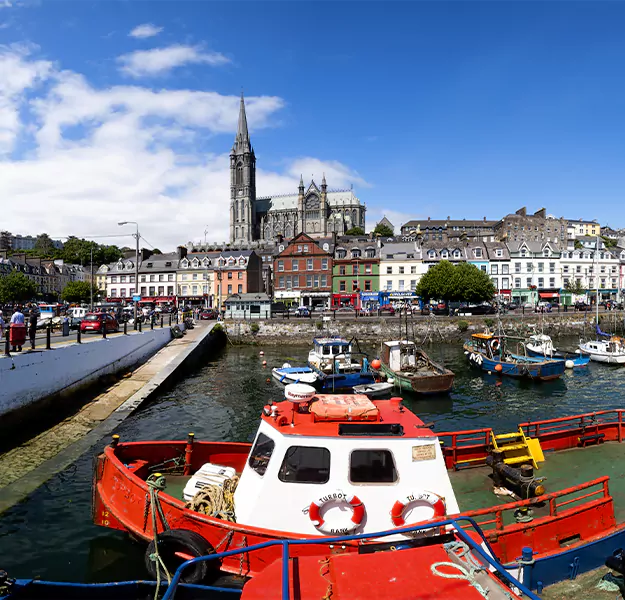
478	309
387	309
542	307
350	310
582	306
93	322
207	315
512	305
302	311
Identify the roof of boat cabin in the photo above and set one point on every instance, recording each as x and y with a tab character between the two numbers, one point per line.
482	336
348	415
331	340
399	343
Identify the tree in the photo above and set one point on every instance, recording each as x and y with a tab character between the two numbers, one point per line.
354	231
609	242
575	287
156	251
383	230
17	287
78	251
578	245
44	245
79	291
463	282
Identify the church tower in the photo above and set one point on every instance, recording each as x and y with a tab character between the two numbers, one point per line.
242	184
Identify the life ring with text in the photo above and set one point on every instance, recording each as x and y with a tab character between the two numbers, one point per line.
434	500
494	345
358	513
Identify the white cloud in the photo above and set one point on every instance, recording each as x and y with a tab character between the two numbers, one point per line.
98	156
160	61
146	30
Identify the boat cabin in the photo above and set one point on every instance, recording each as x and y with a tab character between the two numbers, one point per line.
332	354
335	464
399	355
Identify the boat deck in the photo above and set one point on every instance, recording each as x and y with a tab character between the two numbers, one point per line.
562	469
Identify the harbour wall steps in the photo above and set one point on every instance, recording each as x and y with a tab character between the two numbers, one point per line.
28	466
420	328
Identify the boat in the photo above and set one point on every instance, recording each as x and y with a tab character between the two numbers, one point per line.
541	345
488	352
379	389
413	370
327	465
610	351
336	364
287	374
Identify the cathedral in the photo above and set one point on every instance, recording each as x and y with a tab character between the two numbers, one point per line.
314	210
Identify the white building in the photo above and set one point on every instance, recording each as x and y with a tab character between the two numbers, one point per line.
401	267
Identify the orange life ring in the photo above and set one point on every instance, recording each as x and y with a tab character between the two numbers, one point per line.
434	500
494	345
358	514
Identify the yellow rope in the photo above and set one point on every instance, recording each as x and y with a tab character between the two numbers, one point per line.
216	501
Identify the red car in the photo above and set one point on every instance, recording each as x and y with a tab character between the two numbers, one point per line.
93	322
387	308
208	315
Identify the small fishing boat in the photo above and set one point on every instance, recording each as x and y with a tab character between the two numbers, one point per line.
287	374
541	345
413	370
610	351
338	367
375	390
488	352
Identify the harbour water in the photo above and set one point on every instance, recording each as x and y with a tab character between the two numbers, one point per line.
50	535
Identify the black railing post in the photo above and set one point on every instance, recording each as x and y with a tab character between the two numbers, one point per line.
170	319
151	323
103	329
125	327
7	344
48	334
162	321
139	326
79	335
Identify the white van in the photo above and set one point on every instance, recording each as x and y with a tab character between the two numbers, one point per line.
77	312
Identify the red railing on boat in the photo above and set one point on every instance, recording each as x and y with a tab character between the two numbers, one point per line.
470	447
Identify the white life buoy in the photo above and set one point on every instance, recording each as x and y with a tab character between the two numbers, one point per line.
358	514
494	345
434	500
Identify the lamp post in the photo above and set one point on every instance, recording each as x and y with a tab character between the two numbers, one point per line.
135	235
91	306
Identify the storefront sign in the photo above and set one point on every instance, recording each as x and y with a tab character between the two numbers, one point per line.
288	294
402	295
369	296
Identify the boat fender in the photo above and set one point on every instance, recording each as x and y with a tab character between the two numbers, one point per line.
434	500
569	364
176	546
358	514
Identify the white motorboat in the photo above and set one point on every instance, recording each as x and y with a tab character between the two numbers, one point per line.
375	390
610	351
287	374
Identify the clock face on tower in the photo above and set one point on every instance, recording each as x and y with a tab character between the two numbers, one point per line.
240	192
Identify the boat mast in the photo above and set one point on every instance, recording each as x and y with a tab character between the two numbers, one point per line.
596	274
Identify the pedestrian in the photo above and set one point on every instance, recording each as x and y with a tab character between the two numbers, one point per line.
32	326
18	320
1	325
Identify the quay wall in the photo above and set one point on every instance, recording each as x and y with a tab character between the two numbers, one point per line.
29	378
422	329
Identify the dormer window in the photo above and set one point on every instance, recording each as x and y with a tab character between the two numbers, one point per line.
477	252
499	252
205	262
242	261
196	263
168	264
456	253
370	253
355	253
150	265
184	263
341	253
444	254
231	261
546	252
431	254
221	261
523	252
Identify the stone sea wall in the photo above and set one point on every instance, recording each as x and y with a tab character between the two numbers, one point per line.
422	329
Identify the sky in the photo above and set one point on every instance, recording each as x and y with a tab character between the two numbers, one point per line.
126	111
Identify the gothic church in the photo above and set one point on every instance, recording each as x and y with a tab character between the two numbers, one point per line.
313	210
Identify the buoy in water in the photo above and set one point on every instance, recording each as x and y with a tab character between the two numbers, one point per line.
261	353
268	380
376	363
498	368
569	364
264	363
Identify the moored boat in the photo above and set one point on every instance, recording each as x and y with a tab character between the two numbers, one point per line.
541	345
413	370
287	374
349	464
488	352
610	351
379	389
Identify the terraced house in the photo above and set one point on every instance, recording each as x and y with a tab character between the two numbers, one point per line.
356	271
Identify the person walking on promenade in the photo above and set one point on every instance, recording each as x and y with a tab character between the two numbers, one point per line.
32	326
17	319
1	325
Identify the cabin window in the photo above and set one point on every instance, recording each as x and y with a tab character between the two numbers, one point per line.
261	453
305	464
372	466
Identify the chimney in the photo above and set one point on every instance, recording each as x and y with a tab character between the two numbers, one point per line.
542	213
429	218
181	251
448	217
484	219
522	212
145	254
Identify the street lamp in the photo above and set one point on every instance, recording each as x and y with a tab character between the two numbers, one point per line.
135	235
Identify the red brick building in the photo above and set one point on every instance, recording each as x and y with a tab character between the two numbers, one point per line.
302	273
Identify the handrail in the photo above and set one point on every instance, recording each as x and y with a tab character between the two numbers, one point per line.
487	556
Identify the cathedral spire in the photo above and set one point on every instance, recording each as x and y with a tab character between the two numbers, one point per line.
301	183
324	185
242	139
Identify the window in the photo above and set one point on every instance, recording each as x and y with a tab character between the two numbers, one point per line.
229	275
389	270
309	281
280	265
143	290
578	269
354	285
367	269
240	289
288	282
342	270
324	281
299	248
367	285
170	290
152	290
324	264
194	290
281	281
495	281
261	453
355	253
401	270
113	278
341	286
505	269
122	279
529	281
552	267
230	289
413	270
401	285
517	267
114	292
340	253
372	466
240	275
494	269
478	252
142	278
295	265
152	278
565	269
195	277
309	263
389	285
305	247
483	268
185	290
296	280
505	283
305	464
530	267
161	277
413	285
541	282
552	282
370	253
541	267
170	277
499	252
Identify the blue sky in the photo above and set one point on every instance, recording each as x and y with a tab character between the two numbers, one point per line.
465	109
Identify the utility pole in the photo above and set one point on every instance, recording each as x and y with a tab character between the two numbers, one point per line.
91	307
136	235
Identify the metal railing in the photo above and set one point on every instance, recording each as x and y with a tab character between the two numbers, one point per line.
486	555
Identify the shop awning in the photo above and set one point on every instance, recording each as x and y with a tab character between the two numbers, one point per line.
548	295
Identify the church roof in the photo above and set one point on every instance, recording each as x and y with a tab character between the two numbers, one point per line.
336	199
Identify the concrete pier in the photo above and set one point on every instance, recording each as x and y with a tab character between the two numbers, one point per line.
26	467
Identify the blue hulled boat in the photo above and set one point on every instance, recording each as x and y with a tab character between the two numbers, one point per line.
487	351
339	368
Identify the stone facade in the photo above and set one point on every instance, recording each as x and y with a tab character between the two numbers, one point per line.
521	227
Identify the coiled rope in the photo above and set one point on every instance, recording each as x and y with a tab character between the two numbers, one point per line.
216	500
157	482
